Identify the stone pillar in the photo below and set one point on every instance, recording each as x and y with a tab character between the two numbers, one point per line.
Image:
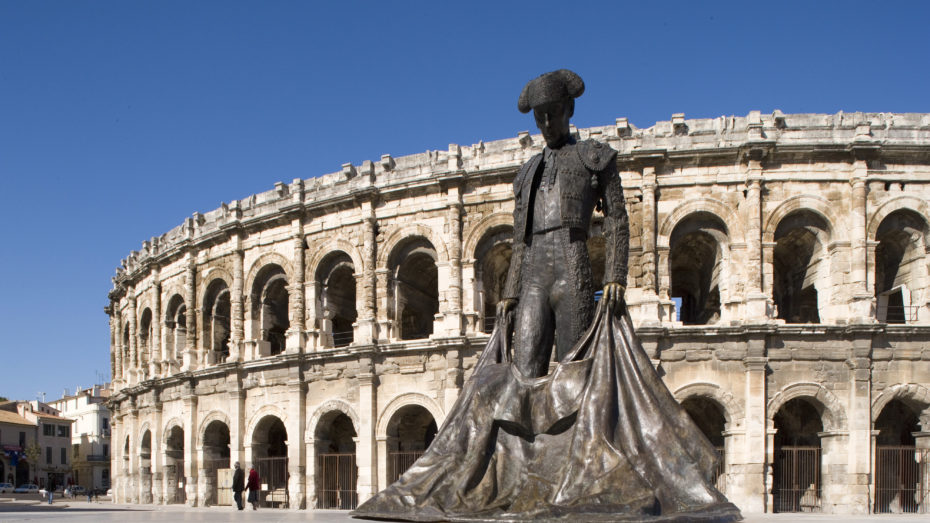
758	304
384	307
116	331
649	302
366	451
862	305
296	449
836	491
158	350
858	445
296	340
757	462
158	461
312	291
382	443
191	461
310	481
366	330
454	380
453	303
134	461
191	359
472	301
237	322
236	405
133	342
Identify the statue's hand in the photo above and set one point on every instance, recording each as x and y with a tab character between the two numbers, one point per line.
504	306
613	293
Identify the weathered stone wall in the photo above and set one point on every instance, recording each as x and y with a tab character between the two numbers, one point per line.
778	268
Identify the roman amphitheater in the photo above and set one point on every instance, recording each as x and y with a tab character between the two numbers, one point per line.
322	330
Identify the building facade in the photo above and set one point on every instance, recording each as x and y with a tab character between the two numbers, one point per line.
322	330
51	456
90	435
16	435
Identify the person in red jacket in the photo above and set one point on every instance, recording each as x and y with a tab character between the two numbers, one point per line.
253	485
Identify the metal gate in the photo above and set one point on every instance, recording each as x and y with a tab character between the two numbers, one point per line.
208	469
272	474
399	462
337	477
720	471
796	479
902	479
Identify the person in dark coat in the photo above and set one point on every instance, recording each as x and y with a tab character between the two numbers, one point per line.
253	485
238	485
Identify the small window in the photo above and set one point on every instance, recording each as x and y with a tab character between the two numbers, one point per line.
64	431
48	455
48	430
106	449
22	439
64	456
105	423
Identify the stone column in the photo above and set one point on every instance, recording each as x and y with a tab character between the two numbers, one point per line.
237	322
366	330
453	314
312	293
758	306
158	351
158	463
384	307
366	450
857	448
757	442
134	462
296	340
310	481
191	461
454	379
133	342
836	491
862	305
237	418
117	337
191	359
649	302
296	449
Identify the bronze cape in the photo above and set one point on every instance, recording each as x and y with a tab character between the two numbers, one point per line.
600	438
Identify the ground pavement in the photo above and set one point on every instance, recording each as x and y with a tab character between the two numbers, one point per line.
34	509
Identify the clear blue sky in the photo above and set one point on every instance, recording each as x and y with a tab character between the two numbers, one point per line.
120	119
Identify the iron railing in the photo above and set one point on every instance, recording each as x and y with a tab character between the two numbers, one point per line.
796	477
720	471
902	480
399	462
337	477
272	474
342	339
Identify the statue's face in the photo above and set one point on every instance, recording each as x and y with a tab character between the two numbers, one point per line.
552	119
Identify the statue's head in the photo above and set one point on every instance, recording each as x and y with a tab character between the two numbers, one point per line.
551	96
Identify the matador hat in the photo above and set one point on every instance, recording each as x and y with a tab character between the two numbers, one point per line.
550	87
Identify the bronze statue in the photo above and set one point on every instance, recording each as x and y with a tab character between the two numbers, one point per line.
600	438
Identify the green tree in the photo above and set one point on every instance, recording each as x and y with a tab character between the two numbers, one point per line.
3	398
32	452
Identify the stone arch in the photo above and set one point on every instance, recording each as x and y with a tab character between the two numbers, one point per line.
322	249
914	395
732	410
260	263
257	416
210	275
722	211
401	234
800	259
213	415
403	400
478	231
805	202
169	425
327	408
829	407
696	267
900	203
144	427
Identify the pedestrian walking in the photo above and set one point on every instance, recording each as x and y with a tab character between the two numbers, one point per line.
253	486
238	485
51	492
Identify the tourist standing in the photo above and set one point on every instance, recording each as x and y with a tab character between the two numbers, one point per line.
253	485
238	485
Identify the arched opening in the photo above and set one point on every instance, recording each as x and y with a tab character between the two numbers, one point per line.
145	340
128	364
216	454
269	458
799	266
492	262
696	264
796	470
270	310
901	469
336	277
410	432
216	321
415	288
336	471
899	266
708	415
175	328
145	467
174	466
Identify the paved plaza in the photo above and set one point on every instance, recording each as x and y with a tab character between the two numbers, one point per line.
80	511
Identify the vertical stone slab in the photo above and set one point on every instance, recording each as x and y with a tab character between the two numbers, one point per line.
366	451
